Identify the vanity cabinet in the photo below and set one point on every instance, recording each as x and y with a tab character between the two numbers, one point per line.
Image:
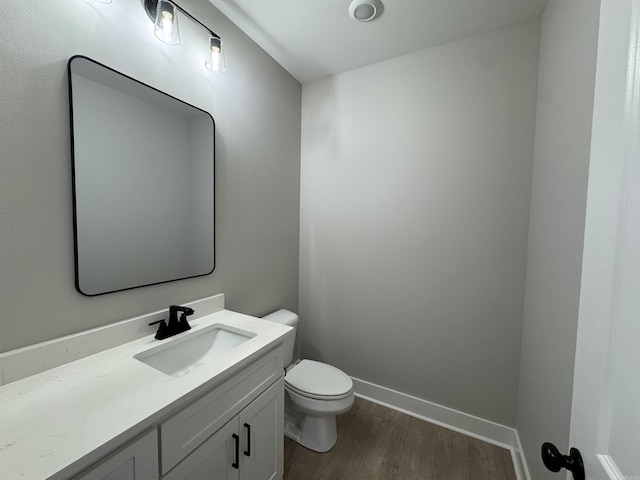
138	460
233	431
248	447
118	414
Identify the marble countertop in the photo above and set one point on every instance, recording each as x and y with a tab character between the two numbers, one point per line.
58	422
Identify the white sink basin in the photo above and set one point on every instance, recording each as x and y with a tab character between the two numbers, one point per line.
190	350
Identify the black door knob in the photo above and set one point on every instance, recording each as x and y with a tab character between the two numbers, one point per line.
555	461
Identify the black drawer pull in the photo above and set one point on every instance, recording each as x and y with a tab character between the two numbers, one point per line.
247	452
236	464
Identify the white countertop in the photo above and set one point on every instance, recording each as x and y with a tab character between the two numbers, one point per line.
58	422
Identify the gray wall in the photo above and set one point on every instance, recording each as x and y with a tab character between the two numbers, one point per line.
256	105
562	147
415	190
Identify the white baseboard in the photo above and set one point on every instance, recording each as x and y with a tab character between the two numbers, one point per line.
519	460
476	427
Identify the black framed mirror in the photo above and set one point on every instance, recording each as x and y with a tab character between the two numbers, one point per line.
143	182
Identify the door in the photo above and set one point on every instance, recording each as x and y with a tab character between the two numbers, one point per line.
262	437
605	418
136	461
217	458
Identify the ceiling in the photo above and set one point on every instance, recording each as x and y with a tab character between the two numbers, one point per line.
316	38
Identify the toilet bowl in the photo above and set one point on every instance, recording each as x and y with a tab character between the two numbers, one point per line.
315	394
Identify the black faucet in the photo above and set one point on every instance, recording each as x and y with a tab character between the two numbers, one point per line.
175	325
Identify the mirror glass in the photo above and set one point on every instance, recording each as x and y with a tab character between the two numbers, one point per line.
143	182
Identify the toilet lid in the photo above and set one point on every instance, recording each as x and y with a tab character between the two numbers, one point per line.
318	379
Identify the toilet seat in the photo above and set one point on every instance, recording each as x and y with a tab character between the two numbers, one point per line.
312	396
318	380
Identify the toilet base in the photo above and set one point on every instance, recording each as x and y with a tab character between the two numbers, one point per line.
317	433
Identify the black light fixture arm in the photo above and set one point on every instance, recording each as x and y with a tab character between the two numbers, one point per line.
151	6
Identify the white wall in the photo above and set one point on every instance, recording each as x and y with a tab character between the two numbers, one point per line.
256	106
562	147
415	189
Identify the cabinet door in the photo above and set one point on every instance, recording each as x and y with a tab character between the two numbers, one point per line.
136	461
261	425
216	459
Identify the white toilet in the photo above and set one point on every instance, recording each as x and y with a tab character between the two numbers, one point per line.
316	393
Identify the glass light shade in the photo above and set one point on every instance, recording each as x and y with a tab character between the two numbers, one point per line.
103	1
166	29
216	59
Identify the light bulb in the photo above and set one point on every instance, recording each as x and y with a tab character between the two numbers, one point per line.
216	56
166	29
167	26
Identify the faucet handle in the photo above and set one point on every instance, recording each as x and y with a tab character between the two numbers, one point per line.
162	332
184	325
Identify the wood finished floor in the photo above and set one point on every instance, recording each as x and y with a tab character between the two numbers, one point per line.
377	443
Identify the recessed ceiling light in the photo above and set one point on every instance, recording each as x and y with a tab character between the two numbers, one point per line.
365	10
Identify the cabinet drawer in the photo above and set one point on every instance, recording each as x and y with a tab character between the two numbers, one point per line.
183	432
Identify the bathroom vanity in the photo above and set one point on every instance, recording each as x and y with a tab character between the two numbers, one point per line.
147	410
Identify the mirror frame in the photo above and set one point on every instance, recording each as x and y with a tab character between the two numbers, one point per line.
74	179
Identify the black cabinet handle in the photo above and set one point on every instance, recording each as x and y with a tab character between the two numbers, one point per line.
247	452
555	461
236	464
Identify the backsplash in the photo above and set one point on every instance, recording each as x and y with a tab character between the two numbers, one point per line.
27	361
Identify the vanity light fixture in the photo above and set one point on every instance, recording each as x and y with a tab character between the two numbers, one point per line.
164	15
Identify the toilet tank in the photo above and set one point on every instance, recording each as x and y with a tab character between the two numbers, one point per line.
286	317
